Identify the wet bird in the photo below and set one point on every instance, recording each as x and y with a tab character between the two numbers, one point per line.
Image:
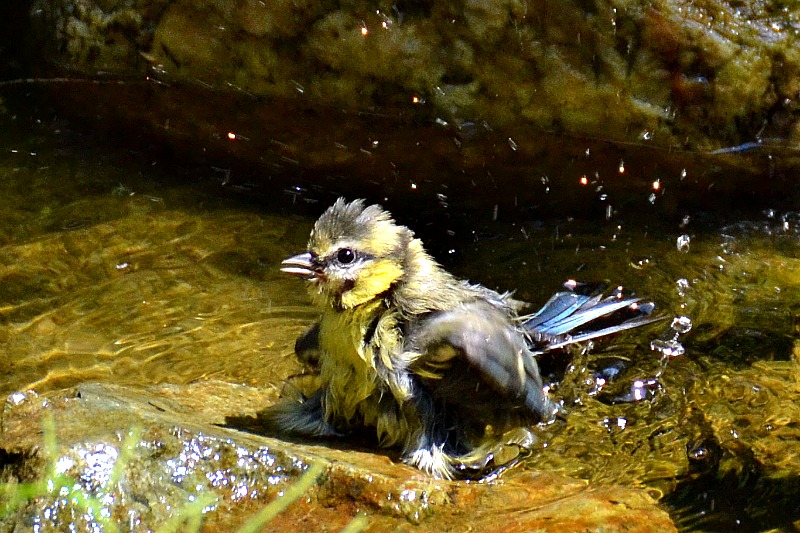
430	363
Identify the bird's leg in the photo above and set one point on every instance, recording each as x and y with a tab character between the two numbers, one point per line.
430	446
430	457
433	455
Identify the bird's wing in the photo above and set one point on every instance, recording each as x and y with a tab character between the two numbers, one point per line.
570	317
307	346
479	336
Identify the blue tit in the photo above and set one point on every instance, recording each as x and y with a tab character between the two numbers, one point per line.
428	362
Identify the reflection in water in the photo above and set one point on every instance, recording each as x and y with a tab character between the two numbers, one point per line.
110	274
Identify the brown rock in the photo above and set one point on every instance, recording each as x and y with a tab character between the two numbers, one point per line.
179	452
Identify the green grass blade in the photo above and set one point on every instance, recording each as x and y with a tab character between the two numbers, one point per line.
290	495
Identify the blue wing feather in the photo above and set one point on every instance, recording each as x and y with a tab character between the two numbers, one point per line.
570	317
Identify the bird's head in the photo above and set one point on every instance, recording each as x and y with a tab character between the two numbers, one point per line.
355	254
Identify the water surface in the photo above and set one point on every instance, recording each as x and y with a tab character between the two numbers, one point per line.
115	266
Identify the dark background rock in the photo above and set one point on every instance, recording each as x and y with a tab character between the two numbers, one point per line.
419	99
704	75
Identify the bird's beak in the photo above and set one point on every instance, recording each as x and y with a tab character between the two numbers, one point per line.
301	265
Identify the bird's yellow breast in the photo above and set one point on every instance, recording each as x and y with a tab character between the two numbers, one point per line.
354	343
342	333
346	362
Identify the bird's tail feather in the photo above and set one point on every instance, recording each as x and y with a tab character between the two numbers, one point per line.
581	313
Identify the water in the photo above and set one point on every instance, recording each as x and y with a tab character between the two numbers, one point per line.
118	265
109	273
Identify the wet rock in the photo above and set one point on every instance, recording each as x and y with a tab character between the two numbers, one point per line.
143	456
699	75
392	93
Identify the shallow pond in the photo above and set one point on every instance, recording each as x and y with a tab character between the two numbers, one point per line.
116	267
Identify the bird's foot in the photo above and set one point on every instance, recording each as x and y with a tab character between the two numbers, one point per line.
486	461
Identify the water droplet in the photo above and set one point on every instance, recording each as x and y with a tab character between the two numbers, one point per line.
64	464
642	389
16	398
683	243
668	348
681	324
698	454
683	286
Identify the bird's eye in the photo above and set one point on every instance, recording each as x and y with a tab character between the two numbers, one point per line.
345	256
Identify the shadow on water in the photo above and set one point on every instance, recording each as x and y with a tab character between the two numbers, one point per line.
750	500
